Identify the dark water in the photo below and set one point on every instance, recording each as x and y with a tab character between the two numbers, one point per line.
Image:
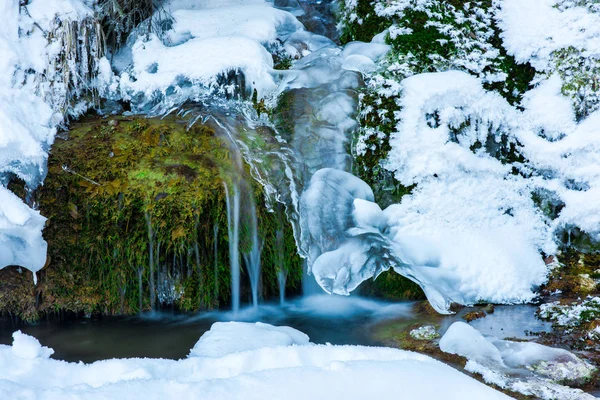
325	319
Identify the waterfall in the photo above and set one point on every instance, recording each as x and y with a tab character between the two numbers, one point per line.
282	271
252	258
233	229
151	260
216	250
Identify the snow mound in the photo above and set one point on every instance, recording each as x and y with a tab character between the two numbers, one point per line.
29	348
290	372
233	337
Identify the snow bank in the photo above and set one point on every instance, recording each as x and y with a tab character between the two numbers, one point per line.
528	368
291	372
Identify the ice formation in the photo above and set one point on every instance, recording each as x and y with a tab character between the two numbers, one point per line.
471	229
27	122
283	365
528	368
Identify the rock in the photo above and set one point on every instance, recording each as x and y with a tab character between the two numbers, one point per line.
473	315
425	332
586	283
489	309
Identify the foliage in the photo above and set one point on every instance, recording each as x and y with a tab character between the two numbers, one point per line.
580	72
427	36
359	21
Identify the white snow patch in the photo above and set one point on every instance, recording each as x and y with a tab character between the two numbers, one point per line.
284	371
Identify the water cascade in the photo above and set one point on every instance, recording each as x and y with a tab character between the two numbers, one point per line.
252	258
216	259
282	271
233	228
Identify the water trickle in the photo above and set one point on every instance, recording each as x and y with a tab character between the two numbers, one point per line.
151	260
233	229
216	250
282	271
252	258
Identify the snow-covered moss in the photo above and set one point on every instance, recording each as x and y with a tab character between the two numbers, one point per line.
572	315
580	74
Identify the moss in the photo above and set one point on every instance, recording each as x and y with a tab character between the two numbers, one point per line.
18	295
365	26
99	203
392	286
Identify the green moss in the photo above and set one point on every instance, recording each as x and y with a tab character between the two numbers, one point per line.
392	286
366	25
104	182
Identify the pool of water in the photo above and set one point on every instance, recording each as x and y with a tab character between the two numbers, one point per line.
325	319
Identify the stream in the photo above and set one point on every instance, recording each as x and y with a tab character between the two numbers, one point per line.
325	319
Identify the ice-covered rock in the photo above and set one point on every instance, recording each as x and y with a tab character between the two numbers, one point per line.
524	367
425	332
208	49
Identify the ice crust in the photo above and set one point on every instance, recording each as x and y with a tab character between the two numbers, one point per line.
276	369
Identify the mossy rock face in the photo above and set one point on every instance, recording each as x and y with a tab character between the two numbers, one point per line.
108	181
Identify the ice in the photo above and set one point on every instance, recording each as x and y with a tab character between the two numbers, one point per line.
275	370
528	368
234	337
21	241
326	208
456	253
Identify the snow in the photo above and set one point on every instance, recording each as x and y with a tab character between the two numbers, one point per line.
224	338
532	30
473	228
205	43
275	370
528	368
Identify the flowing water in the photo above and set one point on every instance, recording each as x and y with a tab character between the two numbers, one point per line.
324	318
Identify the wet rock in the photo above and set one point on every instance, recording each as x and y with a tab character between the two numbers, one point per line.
473	315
